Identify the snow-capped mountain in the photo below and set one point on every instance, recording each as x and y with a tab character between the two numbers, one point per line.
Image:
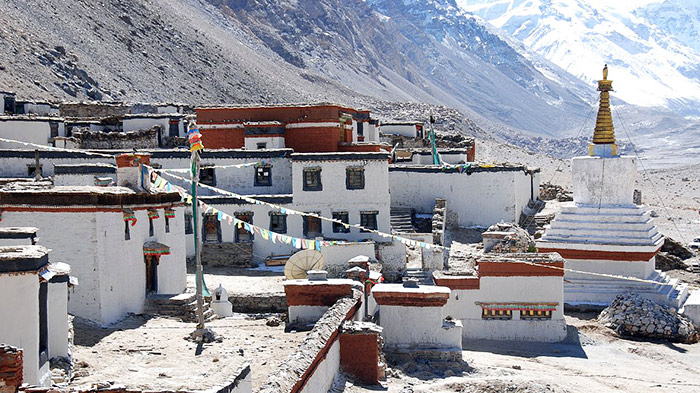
649	47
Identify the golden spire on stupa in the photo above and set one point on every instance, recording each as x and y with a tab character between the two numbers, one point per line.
604	133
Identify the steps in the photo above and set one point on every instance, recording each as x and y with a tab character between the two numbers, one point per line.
401	220
181	306
668	291
424	278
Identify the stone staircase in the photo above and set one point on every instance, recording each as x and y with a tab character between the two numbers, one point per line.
401	220
668	291
528	217
424	278
182	306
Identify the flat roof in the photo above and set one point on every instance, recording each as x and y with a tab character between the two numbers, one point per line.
455	169
23	258
339	156
18	232
22	194
61	169
29	118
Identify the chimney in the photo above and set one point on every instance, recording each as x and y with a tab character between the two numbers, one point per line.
129	171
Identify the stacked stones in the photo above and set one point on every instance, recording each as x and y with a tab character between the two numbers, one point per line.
550	191
11	362
632	316
518	240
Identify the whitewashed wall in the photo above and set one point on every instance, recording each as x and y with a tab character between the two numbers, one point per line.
479	199
20	325
238	180
17	166
37	132
337	256
335	196
80	179
606	181
251	143
322	378
461	305
408	130
417	327
111	270
145	123
74	241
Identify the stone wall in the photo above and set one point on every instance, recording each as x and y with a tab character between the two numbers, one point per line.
143	139
10	368
259	303
228	254
312	367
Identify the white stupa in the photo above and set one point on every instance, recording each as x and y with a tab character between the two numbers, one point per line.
603	231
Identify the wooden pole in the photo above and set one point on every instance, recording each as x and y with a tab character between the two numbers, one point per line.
194	176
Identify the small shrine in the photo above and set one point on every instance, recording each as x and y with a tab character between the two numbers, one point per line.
602	231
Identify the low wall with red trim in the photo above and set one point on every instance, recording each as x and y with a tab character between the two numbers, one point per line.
313	366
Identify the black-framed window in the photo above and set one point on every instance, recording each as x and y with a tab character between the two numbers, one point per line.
167	225
240	234
207	175
369	219
150	227
188	223
312	179
263	175
278	222
344	217
127	231
261	145
354	178
211	229
31	169
312	226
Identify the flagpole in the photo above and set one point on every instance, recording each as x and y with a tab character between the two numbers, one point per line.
194	175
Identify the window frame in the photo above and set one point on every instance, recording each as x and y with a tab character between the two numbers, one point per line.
266	168
305	221
352	171
241	215
127	231
205	220
339	228
315	171
213	175
279	216
372	213
189	228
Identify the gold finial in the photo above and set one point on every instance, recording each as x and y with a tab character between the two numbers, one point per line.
604	129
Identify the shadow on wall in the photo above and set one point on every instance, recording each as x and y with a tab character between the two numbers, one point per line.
571	347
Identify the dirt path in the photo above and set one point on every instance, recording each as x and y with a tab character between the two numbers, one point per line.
594	360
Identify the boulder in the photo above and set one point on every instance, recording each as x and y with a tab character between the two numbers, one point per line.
666	261
630	315
675	248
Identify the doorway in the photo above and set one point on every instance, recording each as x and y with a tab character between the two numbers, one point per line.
151	273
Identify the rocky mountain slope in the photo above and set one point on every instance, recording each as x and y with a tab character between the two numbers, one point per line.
240	51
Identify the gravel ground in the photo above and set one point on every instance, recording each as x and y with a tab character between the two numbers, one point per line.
593	359
152	354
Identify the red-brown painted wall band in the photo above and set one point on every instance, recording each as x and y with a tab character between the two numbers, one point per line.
411	299
514	269
462	283
603	255
316	295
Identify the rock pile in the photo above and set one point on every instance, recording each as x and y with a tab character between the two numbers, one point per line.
672	255
550	192
632	316
517	240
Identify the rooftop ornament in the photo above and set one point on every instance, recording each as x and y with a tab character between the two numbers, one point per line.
604	135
